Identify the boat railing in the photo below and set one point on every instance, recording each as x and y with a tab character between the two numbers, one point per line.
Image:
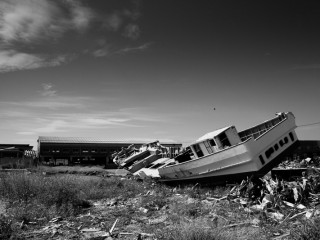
260	129
215	153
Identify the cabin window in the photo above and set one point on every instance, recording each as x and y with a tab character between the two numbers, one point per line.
75	150
224	140
85	150
291	136
66	150
198	150
208	147
276	147
212	142
286	140
281	143
262	160
269	152
46	150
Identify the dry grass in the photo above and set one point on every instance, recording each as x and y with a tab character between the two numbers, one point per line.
37	198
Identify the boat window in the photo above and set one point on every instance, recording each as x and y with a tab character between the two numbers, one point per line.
291	136
281	143
212	142
269	152
208	147
286	140
276	147
261	160
224	140
198	150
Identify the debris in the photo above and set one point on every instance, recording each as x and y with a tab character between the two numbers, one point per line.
112	202
90	229
161	219
56	219
298	214
216	199
275	215
144	210
113	226
281	236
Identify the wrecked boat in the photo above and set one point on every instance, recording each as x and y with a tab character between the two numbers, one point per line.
134	159
226	155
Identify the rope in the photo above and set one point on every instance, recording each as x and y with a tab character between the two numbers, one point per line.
304	125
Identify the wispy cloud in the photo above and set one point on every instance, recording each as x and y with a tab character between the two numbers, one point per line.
113	21
50	112
11	60
107	50
132	31
102	52
47	90
28	27
134	49
31	20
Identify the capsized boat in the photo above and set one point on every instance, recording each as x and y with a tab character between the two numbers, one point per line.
226	155
134	159
145	162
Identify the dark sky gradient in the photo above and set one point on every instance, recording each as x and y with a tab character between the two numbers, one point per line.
156	69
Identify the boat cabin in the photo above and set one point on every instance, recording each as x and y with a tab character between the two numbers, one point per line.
215	141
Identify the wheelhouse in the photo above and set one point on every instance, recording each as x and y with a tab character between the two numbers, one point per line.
215	141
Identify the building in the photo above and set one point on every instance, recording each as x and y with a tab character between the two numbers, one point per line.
307	148
86	151
16	155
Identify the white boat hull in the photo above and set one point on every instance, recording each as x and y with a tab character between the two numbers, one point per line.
252	156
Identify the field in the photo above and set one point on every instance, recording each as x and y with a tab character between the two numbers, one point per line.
89	203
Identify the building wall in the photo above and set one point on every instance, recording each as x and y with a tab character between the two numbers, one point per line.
84	153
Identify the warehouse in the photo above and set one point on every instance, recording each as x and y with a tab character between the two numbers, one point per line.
87	151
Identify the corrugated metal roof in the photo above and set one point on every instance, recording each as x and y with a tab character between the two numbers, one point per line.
54	139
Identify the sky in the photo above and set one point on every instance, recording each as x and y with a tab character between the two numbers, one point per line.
150	69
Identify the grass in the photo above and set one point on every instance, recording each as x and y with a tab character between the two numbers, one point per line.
6	230
307	230
36	198
192	231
